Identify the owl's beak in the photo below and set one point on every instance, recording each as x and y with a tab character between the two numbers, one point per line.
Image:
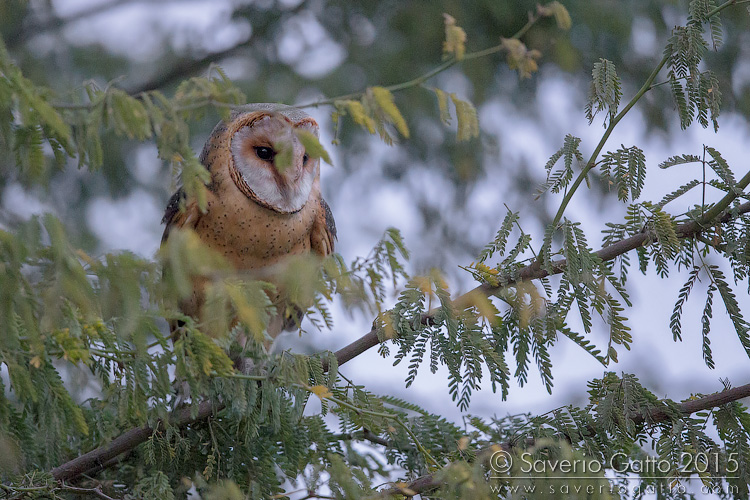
291	176
298	171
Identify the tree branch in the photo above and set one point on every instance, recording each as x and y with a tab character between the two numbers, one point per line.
97	492
189	66
185	68
134	437
430	482
536	271
129	440
24	33
366	435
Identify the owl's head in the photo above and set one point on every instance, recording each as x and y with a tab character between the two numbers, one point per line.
269	163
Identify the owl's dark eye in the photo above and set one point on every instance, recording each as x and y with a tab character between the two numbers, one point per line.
305	158
264	153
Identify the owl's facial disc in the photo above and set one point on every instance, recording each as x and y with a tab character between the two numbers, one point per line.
273	163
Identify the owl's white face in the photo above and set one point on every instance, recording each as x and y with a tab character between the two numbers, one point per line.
257	148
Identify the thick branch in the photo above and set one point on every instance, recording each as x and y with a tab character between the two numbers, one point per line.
185	68
536	271
430	482
711	401
126	442
27	32
188	66
357	347
132	438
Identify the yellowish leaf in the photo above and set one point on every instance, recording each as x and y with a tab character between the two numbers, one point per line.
284	155
520	58
423	283
558	10
527	302
455	38
484	306
85	257
194	177
466	114
463	443
248	314
357	111
336	120
321	391
404	489
386	324
36	362
384	100
442	98
438	278
312	145
536	301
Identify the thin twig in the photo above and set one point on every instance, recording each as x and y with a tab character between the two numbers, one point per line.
415	82
388	416
591	163
364	434
188	67
536	271
97	492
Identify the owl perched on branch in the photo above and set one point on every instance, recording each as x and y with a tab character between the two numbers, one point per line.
263	202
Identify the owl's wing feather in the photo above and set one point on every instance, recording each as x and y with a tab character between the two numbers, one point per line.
180	213
323	233
322	240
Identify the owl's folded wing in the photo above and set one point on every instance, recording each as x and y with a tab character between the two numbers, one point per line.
323	233
180	213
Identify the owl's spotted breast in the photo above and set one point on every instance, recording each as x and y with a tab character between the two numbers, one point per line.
250	235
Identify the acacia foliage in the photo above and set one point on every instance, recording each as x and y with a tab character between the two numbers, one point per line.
68	316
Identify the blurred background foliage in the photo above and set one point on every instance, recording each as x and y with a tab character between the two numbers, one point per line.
299	51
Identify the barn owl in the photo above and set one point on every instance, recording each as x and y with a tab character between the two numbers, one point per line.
259	212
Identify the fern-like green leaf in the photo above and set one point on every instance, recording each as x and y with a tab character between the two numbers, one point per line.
501	238
706	326
605	91
675	321
741	325
719	165
626	170
679	160
558	180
